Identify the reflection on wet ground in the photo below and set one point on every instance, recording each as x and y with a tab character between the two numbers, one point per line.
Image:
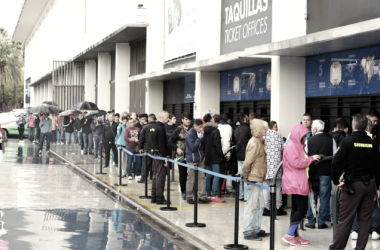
26	153
77	229
45	205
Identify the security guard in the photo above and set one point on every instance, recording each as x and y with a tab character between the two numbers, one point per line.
358	159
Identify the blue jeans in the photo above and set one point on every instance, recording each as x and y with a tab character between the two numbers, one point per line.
42	137
79	136
69	136
215	182
137	168
243	191
253	210
324	199
59	134
375	220
87	143
31	133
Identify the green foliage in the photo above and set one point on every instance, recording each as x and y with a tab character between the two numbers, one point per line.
11	64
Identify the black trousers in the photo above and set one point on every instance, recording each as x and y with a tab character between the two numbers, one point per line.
300	204
148	164
107	147
21	133
158	181
182	178
361	202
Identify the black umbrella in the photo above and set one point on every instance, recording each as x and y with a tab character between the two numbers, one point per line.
49	103
85	106
44	109
90	115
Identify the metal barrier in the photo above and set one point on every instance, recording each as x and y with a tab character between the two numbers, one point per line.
101	159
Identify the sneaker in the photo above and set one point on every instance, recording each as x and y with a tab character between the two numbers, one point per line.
72	152
91	153
281	212
303	241
95	157
262	233
291	240
216	199
129	177
203	201
138	177
106	166
252	237
375	235
114	165
322	226
354	235
81	152
310	226
209	198
184	196
266	212
190	201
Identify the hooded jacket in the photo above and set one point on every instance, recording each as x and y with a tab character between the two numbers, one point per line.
145	142
86	128
193	146
255	163
295	161
338	136
97	130
212	145
226	136
242	135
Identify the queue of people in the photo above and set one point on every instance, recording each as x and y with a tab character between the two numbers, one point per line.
259	149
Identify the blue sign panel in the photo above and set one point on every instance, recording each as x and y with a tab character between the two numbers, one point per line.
189	89
252	83
350	72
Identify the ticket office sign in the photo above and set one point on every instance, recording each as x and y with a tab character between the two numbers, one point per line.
253	83
350	72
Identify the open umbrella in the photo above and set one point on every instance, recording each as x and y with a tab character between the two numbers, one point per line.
95	112
85	106
7	119
44	109
49	103
70	112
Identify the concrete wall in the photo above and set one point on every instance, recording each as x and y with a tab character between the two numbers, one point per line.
288	92
289	19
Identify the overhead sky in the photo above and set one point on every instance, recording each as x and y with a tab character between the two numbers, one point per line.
9	14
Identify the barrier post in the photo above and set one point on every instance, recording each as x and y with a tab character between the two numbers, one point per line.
272	213
236	231
168	208
101	159
146	169
173	155
302	224
195	224
120	184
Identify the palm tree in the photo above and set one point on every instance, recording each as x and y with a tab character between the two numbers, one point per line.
11	63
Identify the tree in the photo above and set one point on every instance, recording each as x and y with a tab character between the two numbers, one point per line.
11	64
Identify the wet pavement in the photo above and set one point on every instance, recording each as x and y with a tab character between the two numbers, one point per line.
44	204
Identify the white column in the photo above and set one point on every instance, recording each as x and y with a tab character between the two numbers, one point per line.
155	34
288	92
46	92
104	77
50	90
34	96
207	93
89	80
122	72
154	97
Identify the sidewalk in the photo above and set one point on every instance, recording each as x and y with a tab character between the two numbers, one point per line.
219	217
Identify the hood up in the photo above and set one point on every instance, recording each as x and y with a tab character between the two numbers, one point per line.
209	127
256	126
298	131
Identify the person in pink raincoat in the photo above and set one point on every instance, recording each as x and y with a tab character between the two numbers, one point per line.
295	181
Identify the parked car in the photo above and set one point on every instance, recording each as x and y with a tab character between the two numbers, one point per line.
11	129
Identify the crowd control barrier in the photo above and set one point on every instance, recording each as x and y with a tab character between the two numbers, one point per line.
235	245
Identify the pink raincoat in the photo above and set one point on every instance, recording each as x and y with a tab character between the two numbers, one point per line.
295	162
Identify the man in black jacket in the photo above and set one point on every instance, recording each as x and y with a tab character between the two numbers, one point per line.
86	134
320	144
358	158
242	135
159	167
212	146
145	144
109	133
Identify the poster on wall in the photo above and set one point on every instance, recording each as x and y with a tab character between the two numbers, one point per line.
189	89
180	28
244	24
350	72
252	83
